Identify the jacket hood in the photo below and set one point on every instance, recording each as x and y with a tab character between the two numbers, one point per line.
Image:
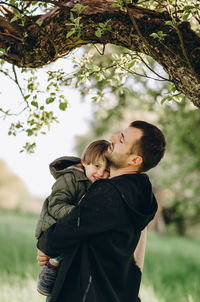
61	165
139	198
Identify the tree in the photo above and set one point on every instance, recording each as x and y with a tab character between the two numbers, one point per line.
182	166
167	31
34	34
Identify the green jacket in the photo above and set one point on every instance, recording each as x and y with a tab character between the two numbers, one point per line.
70	186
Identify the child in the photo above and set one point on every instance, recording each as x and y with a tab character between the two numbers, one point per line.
74	177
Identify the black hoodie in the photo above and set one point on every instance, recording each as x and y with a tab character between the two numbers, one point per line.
98	239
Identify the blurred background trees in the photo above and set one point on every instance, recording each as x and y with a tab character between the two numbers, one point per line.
124	98
13	192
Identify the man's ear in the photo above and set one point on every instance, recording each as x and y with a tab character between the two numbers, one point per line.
135	160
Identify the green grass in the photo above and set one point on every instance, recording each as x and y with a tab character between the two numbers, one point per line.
18	266
171	270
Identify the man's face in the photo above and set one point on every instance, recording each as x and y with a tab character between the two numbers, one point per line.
119	151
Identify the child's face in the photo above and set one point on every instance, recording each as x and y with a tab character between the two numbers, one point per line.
97	170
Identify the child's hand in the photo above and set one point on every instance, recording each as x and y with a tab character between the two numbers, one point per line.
42	258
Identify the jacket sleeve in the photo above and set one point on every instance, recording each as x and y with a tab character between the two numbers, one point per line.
62	197
45	220
98	212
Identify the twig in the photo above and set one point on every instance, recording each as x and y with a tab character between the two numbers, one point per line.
20	89
143	61
13	6
12	36
6	113
146	42
133	72
138	30
7	74
103	51
27	5
134	22
143	75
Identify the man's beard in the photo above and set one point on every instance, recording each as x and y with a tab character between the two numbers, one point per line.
115	160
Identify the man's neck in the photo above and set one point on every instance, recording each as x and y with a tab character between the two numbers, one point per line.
117	172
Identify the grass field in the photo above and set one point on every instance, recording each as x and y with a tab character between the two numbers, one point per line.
18	258
171	271
172	268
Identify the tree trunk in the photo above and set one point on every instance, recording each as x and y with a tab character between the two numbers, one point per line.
178	53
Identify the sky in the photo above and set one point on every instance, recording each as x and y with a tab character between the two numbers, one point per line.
34	169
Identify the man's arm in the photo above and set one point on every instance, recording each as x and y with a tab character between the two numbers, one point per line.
97	213
140	250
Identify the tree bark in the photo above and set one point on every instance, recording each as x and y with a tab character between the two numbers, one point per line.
178	53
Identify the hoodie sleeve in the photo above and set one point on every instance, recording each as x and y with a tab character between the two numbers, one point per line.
97	213
62	196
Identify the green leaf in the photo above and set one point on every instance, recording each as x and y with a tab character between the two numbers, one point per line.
102	24
71	32
100	76
79	8
14	19
71	17
39	22
98	33
131	64
188	7
2	51
170	23
163	100
167	98
19	125
29	132
63	105
186	16
173	89
154	35
95	68
27	96
116	5
35	104
50	100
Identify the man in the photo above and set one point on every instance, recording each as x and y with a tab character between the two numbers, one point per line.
100	235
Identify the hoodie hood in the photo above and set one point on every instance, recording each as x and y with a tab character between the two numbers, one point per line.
61	165
137	194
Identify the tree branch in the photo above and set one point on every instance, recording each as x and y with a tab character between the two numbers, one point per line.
179	34
48	42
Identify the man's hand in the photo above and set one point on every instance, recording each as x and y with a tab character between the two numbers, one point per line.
42	258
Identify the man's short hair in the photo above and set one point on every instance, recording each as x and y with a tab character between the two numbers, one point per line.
151	146
94	151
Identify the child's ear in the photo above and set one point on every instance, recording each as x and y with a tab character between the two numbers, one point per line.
83	163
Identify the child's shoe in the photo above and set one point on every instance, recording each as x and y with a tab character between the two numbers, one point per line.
46	279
